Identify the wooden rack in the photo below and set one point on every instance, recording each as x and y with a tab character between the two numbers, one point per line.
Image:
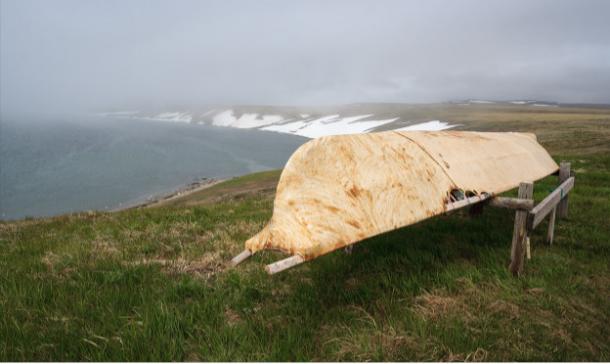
527	218
555	205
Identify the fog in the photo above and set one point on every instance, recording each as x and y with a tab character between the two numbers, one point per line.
67	56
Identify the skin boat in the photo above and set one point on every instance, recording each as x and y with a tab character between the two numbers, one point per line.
337	190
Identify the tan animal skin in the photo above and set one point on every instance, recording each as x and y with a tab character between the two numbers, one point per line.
337	190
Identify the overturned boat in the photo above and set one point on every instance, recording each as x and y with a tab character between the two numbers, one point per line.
337	190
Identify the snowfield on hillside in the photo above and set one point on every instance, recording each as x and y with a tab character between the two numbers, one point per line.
428	126
302	124
329	125
248	120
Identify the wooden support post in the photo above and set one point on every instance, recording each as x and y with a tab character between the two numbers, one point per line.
551	232
564	174
528	250
520	232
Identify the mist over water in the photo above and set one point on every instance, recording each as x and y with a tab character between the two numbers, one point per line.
86	163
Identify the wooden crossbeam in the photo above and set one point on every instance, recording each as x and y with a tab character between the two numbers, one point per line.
504	202
512	203
538	213
465	202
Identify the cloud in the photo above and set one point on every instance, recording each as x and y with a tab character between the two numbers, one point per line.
66	55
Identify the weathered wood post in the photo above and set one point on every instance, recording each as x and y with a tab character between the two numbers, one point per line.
564	174
526	191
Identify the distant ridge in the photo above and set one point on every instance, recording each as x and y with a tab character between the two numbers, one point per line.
317	121
526	102
312	123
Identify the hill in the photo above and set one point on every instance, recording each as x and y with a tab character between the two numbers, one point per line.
315	121
154	284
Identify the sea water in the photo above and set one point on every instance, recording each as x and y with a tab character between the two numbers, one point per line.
49	167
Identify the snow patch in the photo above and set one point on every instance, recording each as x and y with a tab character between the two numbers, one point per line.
245	121
182	117
432	125
481	102
329	125
175	116
309	127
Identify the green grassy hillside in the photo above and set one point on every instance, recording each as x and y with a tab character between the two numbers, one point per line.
154	284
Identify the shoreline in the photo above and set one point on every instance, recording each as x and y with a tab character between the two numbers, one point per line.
153	200
184	190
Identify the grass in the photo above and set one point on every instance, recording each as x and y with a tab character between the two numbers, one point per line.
153	284
261	183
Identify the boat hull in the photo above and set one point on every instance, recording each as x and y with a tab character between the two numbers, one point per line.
337	190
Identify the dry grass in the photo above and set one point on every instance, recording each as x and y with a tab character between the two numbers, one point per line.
204	267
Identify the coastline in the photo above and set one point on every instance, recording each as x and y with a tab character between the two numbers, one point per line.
184	190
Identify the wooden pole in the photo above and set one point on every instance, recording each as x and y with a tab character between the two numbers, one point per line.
466	202
526	191
284	264
240	257
498	201
512	203
551	232
564	174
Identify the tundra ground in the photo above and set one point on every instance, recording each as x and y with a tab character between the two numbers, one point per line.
154	284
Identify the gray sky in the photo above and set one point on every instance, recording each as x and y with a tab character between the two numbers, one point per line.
61	55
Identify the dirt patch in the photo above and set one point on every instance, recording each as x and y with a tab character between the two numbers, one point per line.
205	267
435	305
49	260
478	355
56	265
14	226
103	247
393	342
505	309
535	290
232	317
358	345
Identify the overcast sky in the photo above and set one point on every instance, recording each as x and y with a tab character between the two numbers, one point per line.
61	55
